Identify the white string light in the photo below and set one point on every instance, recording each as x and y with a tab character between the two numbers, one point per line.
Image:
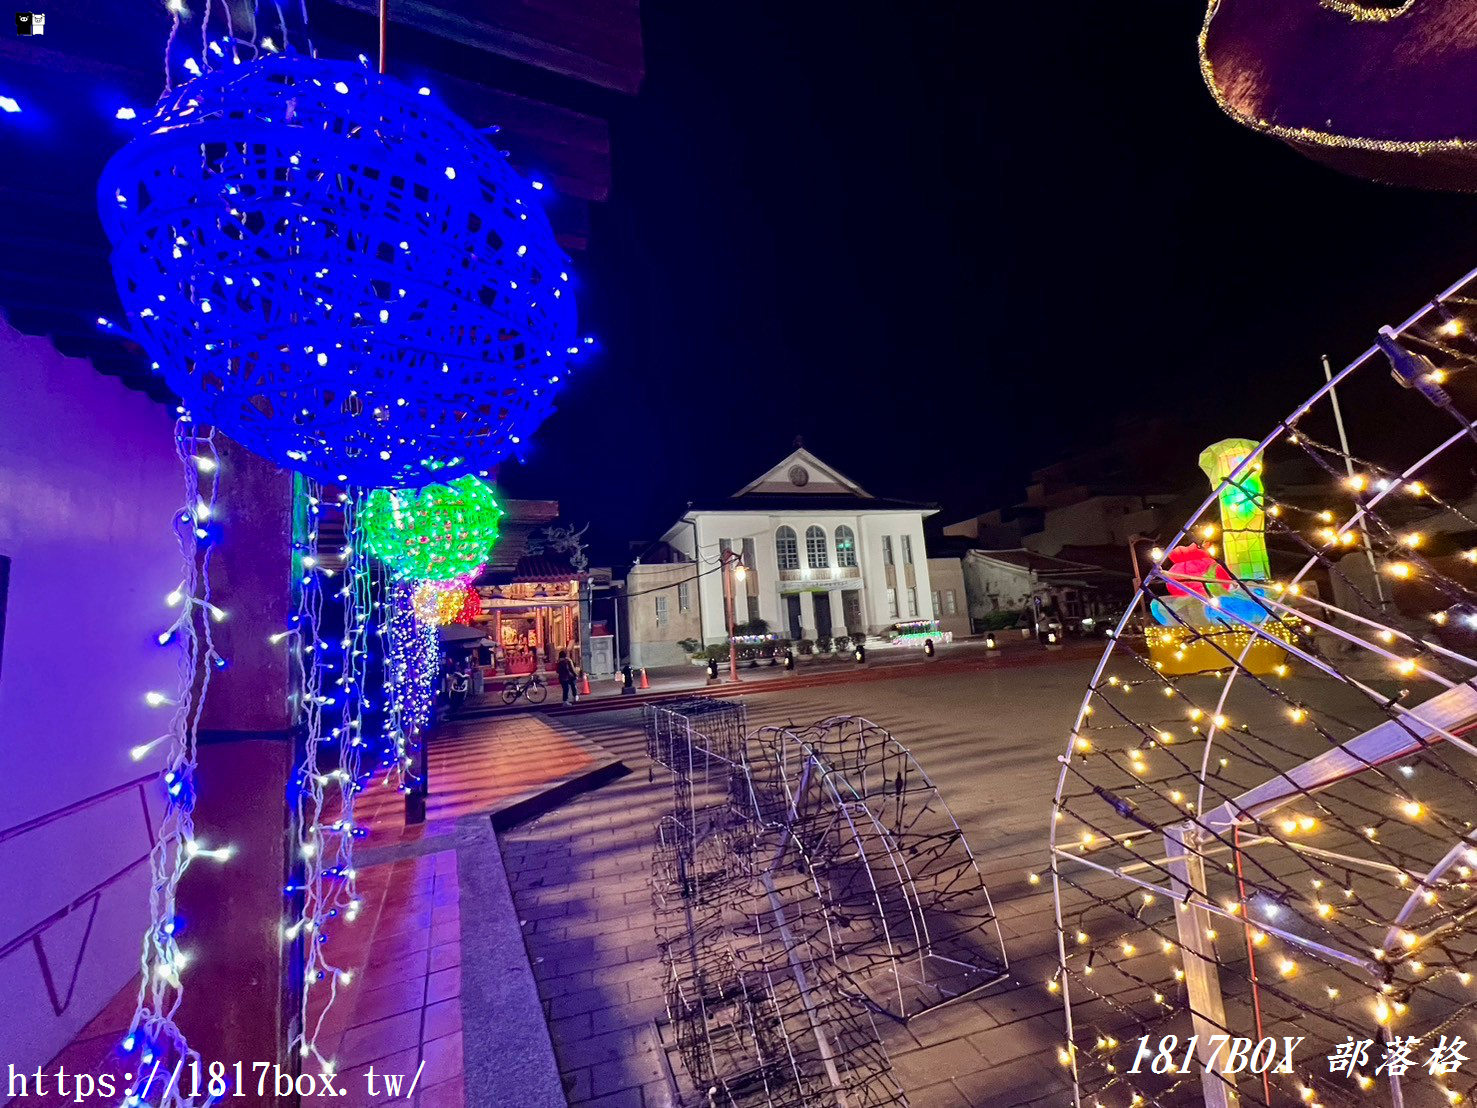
327	884
153	1034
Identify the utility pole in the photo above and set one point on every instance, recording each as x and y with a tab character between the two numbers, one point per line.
1138	577
615	623
1338	419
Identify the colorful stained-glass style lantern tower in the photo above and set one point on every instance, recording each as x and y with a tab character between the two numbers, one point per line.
1243	517
1214	606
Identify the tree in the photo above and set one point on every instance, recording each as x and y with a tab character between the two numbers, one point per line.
562	540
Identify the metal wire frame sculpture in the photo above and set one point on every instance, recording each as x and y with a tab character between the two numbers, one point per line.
830	882
1279	852
905	909
761	1016
692	867
759	1024
685	734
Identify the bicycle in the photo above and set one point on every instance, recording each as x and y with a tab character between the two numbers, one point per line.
531	688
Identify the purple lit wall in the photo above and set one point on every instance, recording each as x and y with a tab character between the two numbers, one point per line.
88	485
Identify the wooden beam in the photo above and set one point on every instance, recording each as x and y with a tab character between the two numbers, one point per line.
1437	719
575	38
1198	959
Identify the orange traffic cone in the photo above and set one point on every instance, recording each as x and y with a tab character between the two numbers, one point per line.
584	684
645	684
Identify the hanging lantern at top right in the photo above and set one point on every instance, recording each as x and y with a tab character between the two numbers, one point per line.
1379	90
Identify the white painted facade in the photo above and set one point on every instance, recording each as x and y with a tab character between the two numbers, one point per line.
817	592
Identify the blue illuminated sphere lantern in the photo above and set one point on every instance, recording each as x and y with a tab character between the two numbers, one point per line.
339	273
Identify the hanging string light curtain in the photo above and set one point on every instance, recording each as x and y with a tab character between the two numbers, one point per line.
344	277
153	1034
412	662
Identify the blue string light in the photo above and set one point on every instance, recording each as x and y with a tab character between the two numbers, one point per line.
340	273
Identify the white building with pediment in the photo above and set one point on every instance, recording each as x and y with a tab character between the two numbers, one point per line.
823	557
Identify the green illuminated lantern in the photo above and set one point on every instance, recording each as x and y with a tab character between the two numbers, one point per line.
436	533
1242	503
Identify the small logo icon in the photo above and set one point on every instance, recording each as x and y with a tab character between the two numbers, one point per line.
30	23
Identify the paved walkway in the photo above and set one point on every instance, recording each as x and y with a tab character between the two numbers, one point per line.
474	768
580	881
405	1010
402	1014
427	975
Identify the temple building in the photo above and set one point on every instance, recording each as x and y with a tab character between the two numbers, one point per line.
537	600
538	608
821	557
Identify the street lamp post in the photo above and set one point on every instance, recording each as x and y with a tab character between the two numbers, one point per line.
732	567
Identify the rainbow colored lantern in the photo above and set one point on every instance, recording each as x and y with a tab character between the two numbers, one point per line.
1218	608
468	606
433	602
1242	504
438	533
439	603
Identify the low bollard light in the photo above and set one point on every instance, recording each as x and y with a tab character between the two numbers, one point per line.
990	643
860	653
789	659
928	647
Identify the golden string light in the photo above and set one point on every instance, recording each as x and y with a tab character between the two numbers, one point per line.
1323	908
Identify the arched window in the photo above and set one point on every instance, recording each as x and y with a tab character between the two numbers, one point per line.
845	546
815	548
786	548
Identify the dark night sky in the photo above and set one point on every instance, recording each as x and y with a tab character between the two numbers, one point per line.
948	242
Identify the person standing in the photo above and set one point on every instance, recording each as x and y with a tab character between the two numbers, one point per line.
565	669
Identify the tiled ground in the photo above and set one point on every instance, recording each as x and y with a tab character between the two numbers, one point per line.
475	767
403	1010
580	881
403	1007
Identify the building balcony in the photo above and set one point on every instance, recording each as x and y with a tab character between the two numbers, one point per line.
830	575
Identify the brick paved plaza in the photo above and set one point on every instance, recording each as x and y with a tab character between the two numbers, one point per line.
580	880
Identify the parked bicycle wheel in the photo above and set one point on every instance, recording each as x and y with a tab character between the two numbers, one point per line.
510	693
536	692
